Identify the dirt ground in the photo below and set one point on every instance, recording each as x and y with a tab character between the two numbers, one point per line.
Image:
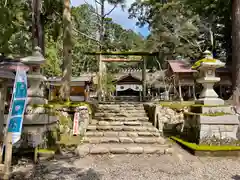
179	166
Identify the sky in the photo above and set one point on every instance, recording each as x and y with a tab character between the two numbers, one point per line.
118	15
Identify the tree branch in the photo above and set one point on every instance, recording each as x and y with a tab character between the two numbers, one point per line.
95	12
98	2
88	37
195	45
110	11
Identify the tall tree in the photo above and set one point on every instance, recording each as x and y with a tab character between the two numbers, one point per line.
67	52
236	48
37	26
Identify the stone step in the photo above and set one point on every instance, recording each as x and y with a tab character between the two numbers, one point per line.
121	128
119	123
121	134
141	140
122	118
121	111
119	105
122	114
94	149
121	102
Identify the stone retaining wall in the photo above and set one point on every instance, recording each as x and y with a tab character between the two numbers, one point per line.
165	119
67	116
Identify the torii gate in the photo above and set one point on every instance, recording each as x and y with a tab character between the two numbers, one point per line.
143	60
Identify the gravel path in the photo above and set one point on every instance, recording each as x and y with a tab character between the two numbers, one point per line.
180	166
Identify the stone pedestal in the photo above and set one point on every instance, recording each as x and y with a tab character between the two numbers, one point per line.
202	127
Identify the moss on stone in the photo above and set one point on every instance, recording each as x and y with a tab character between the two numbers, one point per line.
208	114
206	105
69	140
199	62
177	105
196	147
58	105
46	151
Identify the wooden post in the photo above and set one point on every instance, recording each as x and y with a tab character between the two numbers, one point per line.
144	64
3	92
194	93
8	156
180	92
100	78
189	92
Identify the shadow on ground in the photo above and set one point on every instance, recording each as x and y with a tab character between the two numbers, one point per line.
236	177
61	168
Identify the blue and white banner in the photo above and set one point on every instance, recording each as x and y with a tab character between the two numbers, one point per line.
18	105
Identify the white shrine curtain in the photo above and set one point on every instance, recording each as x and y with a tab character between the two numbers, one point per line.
124	87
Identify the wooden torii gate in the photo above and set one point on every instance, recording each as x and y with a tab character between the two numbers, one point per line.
130	53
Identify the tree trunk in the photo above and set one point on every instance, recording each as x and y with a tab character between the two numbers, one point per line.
101	38
236	49
67	54
37	25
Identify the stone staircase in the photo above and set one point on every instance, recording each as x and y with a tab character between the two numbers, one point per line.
121	128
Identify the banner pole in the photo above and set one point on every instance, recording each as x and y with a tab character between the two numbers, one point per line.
8	156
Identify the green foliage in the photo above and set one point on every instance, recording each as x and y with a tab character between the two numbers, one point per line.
14	26
216	17
16	38
52	67
174	31
108	83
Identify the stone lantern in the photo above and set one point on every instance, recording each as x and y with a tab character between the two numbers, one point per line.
37	117
35	79
214	123
208	78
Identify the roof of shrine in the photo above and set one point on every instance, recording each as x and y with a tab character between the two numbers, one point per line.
180	66
153	78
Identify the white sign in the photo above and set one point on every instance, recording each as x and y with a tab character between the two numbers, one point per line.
76	123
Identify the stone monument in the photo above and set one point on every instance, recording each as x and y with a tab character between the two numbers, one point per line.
210	120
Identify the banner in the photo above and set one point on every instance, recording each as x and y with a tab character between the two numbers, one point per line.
18	105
